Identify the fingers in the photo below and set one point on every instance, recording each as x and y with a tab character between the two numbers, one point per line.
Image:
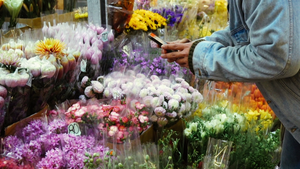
185	40
174	46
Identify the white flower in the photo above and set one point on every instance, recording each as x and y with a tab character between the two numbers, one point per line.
89	92
173	104
132	103
13	7
188	97
185	84
219	128
176	97
143	93
156	82
156	102
153	118
191	89
187	131
182	109
175	86
172	115
97	86
140	75
179	80
152	91
167	95
147	100
107	93
112	84
116	92
182	90
197	97
193	126
138	84
187	106
166	82
135	91
154	77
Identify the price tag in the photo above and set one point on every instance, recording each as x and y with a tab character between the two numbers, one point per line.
83	66
104	36
74	129
94	12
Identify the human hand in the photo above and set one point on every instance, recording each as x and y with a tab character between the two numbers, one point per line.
180	52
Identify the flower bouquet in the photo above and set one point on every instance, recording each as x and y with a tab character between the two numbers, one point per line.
15	79
249	132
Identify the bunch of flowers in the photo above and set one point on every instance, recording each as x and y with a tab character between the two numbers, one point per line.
173	14
218	121
10	163
118	121
145	20
151	64
143	4
45	145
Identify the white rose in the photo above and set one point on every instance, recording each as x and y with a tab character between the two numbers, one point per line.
187	131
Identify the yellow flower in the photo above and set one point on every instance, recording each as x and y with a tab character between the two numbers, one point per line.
252	115
265	115
220	6
50	46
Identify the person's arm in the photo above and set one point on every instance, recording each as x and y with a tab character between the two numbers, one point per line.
221	36
266	57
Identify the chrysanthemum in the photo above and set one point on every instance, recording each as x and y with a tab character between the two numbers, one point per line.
50	46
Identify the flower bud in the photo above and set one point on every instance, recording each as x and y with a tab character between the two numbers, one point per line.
65	63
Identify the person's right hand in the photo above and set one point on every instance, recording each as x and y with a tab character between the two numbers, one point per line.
176	41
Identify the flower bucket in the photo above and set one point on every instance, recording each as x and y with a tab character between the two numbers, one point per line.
147	135
127	145
217	154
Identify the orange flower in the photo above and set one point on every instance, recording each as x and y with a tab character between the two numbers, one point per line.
50	46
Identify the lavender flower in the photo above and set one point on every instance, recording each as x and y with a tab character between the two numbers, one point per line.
11	143
75	160
58	126
173	15
33	130
32	151
53	160
50	141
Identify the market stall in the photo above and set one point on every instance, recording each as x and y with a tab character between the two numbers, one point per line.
81	90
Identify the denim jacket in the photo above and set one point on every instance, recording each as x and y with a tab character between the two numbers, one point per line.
261	44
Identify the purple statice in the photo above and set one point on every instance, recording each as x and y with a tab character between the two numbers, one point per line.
53	160
49	141
33	130
10	143
58	126
75	160
31	152
172	14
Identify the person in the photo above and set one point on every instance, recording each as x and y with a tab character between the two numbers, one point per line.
261	44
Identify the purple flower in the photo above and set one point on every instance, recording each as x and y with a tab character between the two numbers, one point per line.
75	160
53	160
50	141
11	143
32	151
33	130
58	126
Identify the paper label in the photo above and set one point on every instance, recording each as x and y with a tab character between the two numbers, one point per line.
104	36
74	129
83	66
94	12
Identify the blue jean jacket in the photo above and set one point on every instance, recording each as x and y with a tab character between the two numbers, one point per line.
261	45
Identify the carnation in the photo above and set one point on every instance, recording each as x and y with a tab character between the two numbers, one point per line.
173	104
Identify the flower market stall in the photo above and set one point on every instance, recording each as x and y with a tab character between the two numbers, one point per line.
78	94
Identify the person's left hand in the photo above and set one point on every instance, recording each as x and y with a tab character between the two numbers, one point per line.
180	53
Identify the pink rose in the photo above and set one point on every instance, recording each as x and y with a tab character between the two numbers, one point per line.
114	117
139	106
143	119
135	120
145	113
116	109
122	128
125	119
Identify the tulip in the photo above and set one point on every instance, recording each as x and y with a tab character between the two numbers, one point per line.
13	7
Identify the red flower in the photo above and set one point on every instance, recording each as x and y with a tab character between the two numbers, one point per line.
125	119
139	106
200	164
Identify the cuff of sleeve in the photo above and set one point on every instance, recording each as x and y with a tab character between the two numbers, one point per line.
191	53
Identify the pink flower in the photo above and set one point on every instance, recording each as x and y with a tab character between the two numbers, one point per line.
122	128
143	119
101	126
112	130
159	111
125	119
80	112
120	135
139	106
53	113
145	113
114	117
88	91
78	120
134	120
84	80
172	115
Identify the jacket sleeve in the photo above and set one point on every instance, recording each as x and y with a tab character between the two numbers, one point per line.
222	36
268	53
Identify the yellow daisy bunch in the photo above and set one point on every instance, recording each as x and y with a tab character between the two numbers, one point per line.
143	20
